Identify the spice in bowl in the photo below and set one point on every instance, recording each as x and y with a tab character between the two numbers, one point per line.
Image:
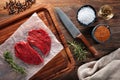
101	33
86	15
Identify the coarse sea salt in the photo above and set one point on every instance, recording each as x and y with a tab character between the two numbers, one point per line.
86	15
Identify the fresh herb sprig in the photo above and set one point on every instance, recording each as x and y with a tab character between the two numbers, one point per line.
78	50
9	59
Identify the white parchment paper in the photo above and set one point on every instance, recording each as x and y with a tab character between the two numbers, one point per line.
34	22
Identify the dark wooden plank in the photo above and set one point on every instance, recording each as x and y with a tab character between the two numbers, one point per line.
70	7
114	42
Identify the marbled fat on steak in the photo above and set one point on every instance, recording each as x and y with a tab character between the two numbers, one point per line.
26	53
40	39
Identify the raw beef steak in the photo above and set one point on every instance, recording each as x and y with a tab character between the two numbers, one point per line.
26	53
40	39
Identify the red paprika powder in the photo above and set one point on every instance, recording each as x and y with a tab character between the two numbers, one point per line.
101	33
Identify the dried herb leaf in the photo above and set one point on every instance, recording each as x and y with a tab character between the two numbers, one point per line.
78	49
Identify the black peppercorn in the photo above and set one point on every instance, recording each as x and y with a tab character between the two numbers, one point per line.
11	10
14	6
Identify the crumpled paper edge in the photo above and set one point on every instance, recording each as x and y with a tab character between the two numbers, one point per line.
34	22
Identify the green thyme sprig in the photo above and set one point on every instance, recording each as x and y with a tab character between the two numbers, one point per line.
78	50
9	59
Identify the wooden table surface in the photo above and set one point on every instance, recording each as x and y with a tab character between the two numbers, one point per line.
70	7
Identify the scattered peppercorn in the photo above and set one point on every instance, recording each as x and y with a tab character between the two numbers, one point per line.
14	6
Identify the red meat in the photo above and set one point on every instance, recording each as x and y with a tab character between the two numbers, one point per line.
40	39
26	53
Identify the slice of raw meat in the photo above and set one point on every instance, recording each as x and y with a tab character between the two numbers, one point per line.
26	53
40	39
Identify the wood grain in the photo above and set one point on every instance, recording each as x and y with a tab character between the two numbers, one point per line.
70	7
88	45
63	62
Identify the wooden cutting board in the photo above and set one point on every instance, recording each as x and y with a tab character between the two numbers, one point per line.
59	65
